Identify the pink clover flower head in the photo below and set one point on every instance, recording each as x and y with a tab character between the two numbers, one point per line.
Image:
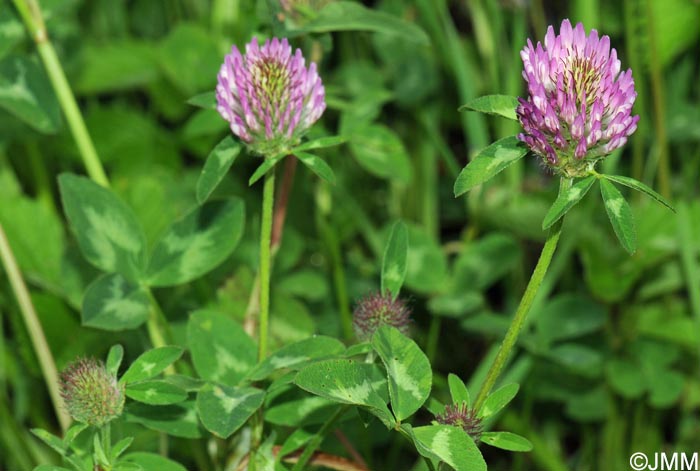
268	95
579	105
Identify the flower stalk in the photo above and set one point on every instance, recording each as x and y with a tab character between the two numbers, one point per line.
265	261
521	313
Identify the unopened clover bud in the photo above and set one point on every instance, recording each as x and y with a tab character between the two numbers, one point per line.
461	415
91	394
376	310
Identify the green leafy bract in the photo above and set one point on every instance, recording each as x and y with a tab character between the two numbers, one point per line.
488	163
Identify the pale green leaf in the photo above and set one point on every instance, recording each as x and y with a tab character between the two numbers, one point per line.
394	261
218	163
458	390
501	105
206	100
223	410
379	150
265	167
489	162
567	200
156	393
498	399
113	303
107	230
316	165
153	462
408	369
221	350
197	243
151	363
639	186
294	355
114	359
506	441
449	444
320	143
346	382
620	215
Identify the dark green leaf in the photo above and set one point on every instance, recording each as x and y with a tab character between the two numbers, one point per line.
506	441
297	354
107	230
394	261
639	186
221	350
501	105
346	382
177	420
223	410
489	162
217	165
157	393
379	150
350	16
567	200
408	369
197	243
25	92
620	215
151	363
449	444
316	165
113	303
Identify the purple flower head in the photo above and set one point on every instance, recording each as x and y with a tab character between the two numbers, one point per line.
579	105
269	96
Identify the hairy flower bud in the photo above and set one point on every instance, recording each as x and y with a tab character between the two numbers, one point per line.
579	107
91	394
269	96
376	310
461	415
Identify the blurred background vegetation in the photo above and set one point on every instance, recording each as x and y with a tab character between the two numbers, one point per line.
609	361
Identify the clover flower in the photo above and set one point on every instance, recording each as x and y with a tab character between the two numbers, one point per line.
376	310
461	415
91	394
269	96
579	105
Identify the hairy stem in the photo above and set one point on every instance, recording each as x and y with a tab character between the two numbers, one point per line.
516	324
36	333
265	238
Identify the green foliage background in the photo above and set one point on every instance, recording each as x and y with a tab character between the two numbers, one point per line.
608	364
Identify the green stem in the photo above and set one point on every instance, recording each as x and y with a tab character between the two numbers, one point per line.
317	439
265	237
156	326
36	333
106	438
30	12
516	324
